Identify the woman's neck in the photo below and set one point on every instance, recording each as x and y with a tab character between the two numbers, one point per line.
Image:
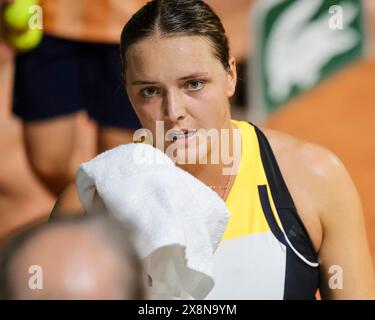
214	175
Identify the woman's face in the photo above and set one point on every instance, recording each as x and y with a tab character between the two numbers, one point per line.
179	81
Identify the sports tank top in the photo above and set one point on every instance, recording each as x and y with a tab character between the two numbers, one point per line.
265	252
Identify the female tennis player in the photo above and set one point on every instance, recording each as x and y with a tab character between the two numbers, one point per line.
296	221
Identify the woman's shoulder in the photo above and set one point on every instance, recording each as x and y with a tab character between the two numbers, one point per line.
312	173
293	149
296	155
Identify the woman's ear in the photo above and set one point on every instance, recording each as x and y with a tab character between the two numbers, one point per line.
232	77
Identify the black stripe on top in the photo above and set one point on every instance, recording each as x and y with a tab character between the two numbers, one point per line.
290	220
267	210
301	280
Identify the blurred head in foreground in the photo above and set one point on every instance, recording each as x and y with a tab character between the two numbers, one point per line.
80	257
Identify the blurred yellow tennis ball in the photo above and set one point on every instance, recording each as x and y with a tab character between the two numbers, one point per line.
17	15
27	40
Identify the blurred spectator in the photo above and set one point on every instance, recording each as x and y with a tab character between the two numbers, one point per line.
22	199
75	67
81	257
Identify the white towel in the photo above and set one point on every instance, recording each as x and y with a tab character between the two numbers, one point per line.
179	220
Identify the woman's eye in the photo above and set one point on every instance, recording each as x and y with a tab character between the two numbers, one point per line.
195	85
149	92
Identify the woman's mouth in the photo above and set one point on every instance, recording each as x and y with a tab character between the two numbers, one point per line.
182	137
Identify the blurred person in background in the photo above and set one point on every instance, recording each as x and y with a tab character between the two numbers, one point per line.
75	67
23	201
86	257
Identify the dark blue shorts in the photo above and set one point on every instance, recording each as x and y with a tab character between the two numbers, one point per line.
61	77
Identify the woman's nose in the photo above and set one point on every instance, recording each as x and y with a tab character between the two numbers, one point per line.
174	107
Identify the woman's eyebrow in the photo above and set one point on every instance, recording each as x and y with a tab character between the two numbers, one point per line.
141	82
190	76
194	75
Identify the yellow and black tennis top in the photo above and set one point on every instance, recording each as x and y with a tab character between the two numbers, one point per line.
265	252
